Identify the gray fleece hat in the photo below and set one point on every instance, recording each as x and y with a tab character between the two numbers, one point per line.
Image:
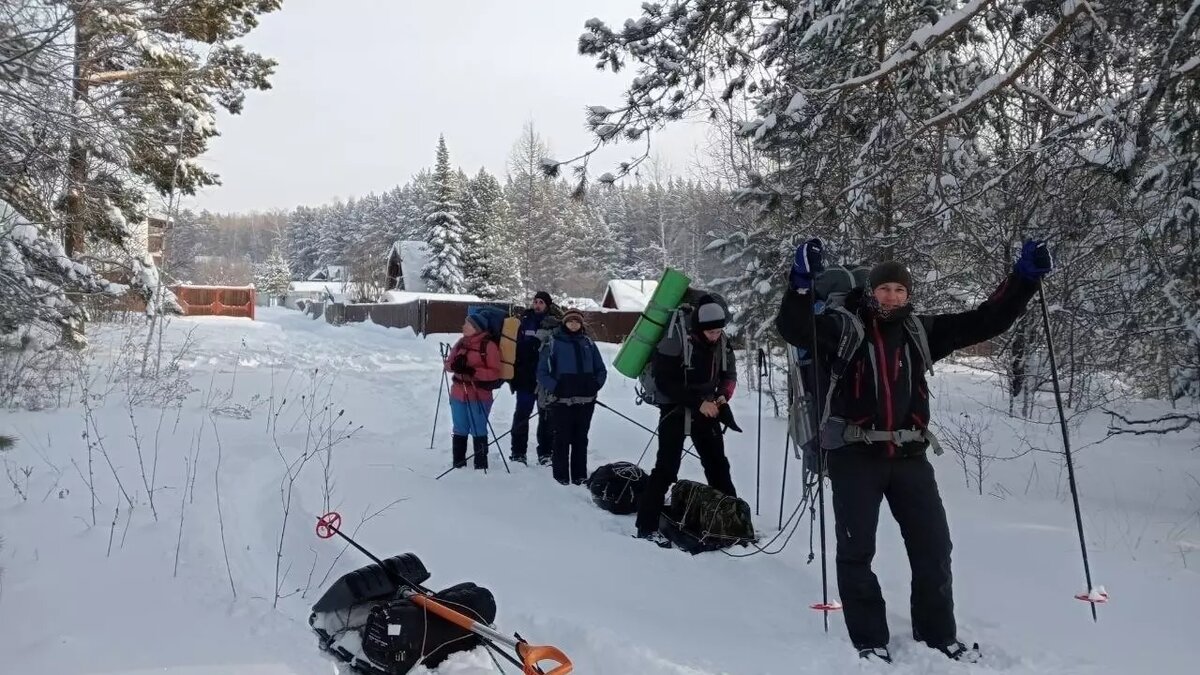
710	315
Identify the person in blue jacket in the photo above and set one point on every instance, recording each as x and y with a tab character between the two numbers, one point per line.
571	372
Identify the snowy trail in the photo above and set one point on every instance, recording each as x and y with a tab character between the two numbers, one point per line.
563	572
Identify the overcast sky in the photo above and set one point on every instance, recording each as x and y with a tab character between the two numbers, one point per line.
364	87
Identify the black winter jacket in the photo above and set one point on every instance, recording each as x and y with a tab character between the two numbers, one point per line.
704	381
899	397
534	327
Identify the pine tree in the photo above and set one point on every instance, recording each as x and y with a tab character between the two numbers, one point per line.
144	96
39	285
444	271
494	275
941	133
274	277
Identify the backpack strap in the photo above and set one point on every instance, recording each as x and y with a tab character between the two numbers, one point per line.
916	330
851	338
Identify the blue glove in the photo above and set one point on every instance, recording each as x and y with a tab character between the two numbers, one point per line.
1035	261
808	262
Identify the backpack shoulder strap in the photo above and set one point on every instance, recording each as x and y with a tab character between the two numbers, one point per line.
916	330
851	338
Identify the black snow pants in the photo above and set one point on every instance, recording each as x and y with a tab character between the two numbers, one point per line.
710	446
571	426
526	400
861	477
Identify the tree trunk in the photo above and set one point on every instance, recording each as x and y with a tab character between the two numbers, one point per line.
75	242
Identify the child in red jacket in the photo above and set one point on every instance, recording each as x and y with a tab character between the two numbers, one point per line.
475	362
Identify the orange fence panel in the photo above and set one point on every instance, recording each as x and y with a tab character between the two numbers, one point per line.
216	300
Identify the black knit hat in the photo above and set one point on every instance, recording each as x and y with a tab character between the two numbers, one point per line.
544	297
890	271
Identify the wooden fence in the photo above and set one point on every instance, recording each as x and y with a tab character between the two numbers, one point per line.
216	300
428	317
236	301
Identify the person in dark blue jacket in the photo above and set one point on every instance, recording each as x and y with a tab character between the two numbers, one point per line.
571	372
536	324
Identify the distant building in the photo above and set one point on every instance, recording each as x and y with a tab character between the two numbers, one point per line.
405	262
338	273
630	295
157	226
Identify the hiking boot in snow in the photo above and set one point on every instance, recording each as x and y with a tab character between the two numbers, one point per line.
458	449
578	481
544	460
656	537
960	652
518	458
875	654
481	452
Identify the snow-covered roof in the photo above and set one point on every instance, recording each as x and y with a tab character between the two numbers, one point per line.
316	286
585	304
629	294
330	273
400	297
414	255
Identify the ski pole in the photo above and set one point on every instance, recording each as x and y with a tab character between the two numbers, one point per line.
1092	597
654	436
639	424
825	606
787	450
488	426
445	351
496	441
329	525
762	360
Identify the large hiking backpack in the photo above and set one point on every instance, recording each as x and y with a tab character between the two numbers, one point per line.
813	382
493	320
700	518
363	619
617	487
675	342
398	634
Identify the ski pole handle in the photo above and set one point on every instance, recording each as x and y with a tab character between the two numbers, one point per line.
532	655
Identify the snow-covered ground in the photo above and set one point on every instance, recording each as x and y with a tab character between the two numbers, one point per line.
195	590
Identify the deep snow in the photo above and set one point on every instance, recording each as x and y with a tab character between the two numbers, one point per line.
563	572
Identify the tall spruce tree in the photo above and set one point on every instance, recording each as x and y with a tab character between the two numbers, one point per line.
444	271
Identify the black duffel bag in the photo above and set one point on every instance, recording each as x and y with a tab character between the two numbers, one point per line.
398	634
616	487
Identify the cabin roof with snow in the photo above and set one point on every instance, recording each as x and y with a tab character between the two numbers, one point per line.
405	262
330	273
629	294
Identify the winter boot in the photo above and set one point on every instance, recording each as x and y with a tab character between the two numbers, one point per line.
481	452
544	460
519	458
875	654
458	445
656	537
957	651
